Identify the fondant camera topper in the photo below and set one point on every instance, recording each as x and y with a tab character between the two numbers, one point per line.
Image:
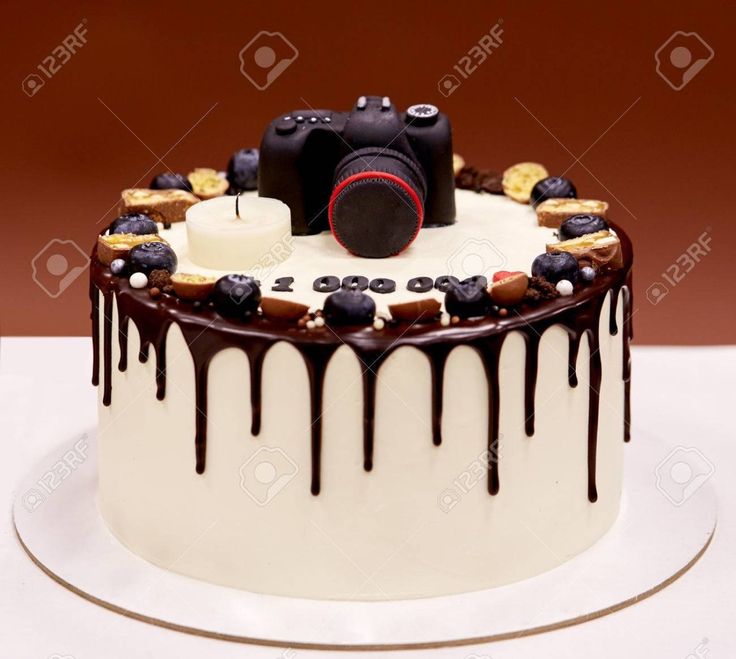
373	176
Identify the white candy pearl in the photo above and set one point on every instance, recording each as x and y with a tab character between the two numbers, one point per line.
319	321
379	324
311	324
138	280
564	287
445	320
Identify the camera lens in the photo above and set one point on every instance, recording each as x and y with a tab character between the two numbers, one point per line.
377	203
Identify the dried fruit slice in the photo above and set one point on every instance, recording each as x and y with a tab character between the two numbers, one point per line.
520	179
207	183
196	288
118	245
553	212
601	250
275	308
416	311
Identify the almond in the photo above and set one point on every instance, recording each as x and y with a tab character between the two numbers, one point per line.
196	288
510	290
416	311
275	308
117	245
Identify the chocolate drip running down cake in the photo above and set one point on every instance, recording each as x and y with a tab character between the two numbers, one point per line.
395	414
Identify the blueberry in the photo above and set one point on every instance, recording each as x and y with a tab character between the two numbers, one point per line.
148	257
552	187
236	296
242	171
579	225
117	267
467	299
554	267
587	273
349	306
171	181
137	223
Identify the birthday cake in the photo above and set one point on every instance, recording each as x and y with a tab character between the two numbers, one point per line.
353	367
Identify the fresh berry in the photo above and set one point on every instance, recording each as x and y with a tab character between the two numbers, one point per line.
554	267
587	273
564	287
117	267
467	300
552	187
349	306
580	225
138	280
242	170
148	257
505	274
236	296
171	181
137	223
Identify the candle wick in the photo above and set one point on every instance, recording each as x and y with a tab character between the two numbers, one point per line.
237	208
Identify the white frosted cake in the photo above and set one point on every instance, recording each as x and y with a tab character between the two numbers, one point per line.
342	427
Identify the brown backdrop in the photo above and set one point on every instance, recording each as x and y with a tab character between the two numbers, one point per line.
159	86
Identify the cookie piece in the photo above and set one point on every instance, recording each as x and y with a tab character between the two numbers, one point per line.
118	245
553	212
207	183
519	180
196	288
601	250
458	162
165	206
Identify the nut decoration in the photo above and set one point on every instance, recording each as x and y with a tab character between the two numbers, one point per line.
207	183
118	245
553	212
520	179
416	311
509	290
601	250
275	308
164	206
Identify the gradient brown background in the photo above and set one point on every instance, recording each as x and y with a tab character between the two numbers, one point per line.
158	86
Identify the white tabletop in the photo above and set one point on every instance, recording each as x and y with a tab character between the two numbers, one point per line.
681	396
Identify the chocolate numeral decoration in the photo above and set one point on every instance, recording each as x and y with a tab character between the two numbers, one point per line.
420	284
326	284
355	281
283	285
382	285
443	283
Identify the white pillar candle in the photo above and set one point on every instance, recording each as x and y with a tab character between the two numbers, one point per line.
220	240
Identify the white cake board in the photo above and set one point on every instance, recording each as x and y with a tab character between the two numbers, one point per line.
653	543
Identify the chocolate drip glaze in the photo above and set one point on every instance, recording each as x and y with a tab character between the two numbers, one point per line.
206	334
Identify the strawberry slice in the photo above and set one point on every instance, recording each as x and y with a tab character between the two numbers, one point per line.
503	274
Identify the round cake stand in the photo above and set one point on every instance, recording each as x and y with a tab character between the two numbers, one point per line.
663	529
